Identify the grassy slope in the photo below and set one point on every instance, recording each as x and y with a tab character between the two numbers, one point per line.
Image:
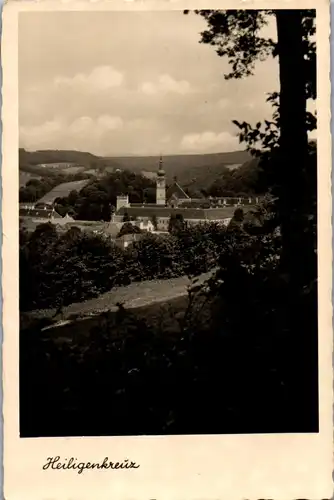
135	295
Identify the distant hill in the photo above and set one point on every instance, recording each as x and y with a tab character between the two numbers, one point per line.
180	165
197	170
55	156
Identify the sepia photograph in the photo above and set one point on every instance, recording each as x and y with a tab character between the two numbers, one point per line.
167	207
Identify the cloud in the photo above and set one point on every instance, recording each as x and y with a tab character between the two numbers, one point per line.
140	124
113	101
40	134
223	103
165	139
81	131
166	84
109	122
81	125
99	79
209	141
86	125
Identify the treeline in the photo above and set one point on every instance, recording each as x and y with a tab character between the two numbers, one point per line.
55	156
246	180
36	188
77	265
98	198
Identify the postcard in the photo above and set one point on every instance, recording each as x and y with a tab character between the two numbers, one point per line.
167	250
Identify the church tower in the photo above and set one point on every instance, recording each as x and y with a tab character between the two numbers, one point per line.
161	186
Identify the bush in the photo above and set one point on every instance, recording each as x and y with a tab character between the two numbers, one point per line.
154	257
129	228
75	266
201	246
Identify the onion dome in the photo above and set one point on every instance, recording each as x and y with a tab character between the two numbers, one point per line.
161	171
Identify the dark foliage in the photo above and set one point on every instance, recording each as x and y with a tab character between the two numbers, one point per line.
77	265
225	364
129	228
96	201
176	223
36	188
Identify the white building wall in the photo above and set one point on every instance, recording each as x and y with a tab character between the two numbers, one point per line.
122	201
161	191
146	225
163	222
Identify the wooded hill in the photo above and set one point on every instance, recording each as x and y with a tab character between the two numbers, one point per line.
200	169
55	156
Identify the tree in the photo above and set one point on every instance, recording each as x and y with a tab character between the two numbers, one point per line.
176	223
154	221
155	257
75	266
236	221
201	245
72	197
96	201
288	292
236	34
129	228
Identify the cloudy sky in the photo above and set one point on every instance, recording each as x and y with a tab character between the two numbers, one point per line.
130	83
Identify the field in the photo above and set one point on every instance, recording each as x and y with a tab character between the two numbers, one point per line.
63	190
135	295
78	327
73	170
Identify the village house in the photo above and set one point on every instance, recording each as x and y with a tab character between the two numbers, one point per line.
38	214
127	239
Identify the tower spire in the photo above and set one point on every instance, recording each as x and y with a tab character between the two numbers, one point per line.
161	185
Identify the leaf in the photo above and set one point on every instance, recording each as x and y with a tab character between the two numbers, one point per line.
237	123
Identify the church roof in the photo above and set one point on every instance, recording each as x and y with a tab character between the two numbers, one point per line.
39	213
175	190
188	213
